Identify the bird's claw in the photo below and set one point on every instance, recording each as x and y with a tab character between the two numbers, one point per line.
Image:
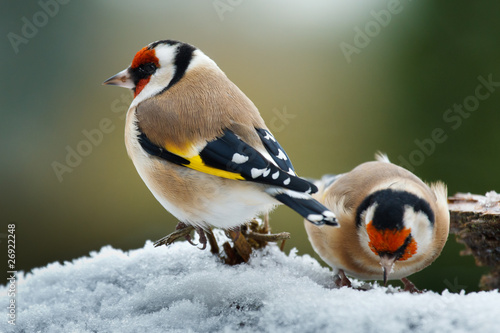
410	287
203	238
342	280
181	230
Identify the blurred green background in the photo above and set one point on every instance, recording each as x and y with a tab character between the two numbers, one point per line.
348	95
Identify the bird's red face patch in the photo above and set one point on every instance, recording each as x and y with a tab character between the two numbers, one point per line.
390	241
144	56
140	85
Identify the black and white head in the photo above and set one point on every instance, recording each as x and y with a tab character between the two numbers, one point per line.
157	67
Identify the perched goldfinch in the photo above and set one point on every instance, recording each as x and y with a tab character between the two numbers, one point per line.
391	223
201	146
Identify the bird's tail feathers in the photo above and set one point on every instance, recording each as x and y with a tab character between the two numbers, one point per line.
307	207
441	191
382	157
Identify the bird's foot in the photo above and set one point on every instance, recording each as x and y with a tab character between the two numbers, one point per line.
241	250
203	238
234	234
182	226
181	230
214	247
260	235
184	230
410	287
199	231
342	280
248	237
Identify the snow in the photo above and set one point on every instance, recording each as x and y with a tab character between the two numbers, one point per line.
492	202
183	289
487	204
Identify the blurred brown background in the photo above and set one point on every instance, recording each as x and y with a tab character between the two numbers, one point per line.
351	78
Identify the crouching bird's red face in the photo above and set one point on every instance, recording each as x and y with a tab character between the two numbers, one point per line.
391	242
391	245
398	225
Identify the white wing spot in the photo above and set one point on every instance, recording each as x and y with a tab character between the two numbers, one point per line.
269	137
291	172
257	172
315	217
267	172
275	175
239	159
286	181
327	213
281	155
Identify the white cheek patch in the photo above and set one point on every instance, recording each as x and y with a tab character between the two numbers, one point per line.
166	54
364	239
421	228
159	80
367	217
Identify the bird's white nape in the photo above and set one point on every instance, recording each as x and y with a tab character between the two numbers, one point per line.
200	59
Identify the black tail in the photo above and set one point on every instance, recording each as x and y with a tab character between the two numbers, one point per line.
309	209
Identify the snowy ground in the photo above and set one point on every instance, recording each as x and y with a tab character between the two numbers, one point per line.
183	289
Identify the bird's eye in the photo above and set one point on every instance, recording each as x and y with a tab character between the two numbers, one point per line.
148	68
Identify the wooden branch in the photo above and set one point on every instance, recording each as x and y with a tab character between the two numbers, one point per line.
214	247
268	237
249	237
475	220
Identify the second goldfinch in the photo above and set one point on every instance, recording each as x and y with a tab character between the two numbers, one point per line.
201	146
392	224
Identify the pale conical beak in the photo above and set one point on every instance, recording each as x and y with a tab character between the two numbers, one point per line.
122	79
387	263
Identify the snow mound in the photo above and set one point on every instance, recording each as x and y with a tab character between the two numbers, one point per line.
183	289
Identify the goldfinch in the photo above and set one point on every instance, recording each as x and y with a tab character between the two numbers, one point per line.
201	146
391	223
